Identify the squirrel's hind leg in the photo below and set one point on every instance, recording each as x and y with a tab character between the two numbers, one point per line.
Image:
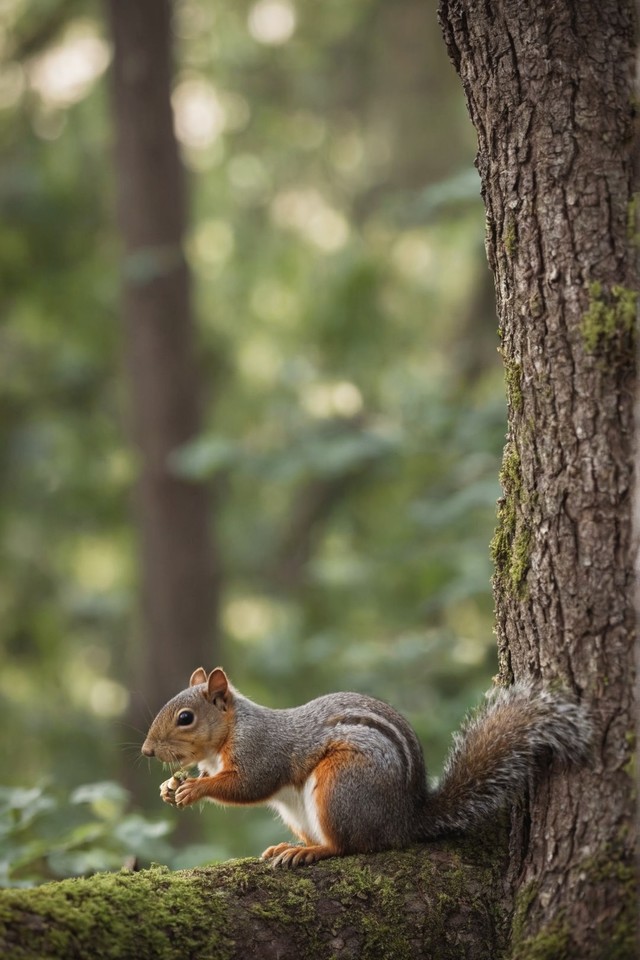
288	855
273	851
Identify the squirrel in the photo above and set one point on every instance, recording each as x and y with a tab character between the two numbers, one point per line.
346	772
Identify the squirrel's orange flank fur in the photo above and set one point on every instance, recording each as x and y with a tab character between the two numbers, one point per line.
346	772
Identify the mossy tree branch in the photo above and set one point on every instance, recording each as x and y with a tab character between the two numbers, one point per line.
441	900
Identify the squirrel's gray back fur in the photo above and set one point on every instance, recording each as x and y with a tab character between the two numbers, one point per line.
494	755
286	739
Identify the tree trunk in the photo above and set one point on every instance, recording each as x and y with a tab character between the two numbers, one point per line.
550	91
179	585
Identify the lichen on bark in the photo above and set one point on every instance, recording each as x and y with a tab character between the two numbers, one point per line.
513	382
510	546
510	240
611	314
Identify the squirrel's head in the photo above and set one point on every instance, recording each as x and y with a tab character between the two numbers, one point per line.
194	724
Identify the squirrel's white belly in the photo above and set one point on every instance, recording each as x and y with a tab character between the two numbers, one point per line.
297	807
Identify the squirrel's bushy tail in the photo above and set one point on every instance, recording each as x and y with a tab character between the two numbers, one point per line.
499	748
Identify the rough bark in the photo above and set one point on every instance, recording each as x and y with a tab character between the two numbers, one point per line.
179	586
442	903
550	91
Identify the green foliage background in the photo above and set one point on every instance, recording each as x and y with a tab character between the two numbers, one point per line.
348	357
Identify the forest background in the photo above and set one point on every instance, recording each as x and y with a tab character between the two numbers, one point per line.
352	395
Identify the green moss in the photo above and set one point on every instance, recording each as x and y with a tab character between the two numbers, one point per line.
117	912
536	307
391	905
443	875
610	315
520	561
510	469
552	942
510	240
513	380
616	938
358	880
385	898
627	306
293	904
511	543
615	870
502	538
446	875
524	898
609	866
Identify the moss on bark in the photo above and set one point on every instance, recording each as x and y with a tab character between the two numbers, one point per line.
440	900
611	314
511	544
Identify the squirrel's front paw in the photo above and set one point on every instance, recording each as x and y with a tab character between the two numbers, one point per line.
168	790
188	792
169	787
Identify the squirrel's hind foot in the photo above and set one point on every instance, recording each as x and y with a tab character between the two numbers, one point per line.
288	855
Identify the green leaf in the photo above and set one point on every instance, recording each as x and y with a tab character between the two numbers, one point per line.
136	827
107	798
137	835
19	807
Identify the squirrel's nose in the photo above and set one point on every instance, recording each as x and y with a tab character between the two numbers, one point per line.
147	750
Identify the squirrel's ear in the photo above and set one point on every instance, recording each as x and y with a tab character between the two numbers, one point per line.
217	687
198	676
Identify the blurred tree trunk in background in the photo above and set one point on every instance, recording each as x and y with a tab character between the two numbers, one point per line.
178	578
550	89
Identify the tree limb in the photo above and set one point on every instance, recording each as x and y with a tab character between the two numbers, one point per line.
442	900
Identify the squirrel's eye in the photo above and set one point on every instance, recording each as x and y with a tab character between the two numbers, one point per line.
185	718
